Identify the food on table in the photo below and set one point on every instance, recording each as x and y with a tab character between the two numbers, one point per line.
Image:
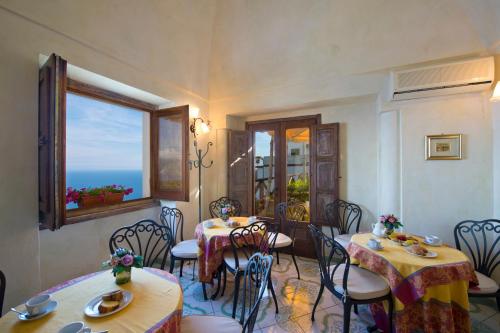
116	295
418	250
403	239
110	301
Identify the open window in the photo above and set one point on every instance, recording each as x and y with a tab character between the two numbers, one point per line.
103	153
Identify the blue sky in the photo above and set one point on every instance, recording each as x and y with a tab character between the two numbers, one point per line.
102	136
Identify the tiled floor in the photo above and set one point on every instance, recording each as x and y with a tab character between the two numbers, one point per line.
296	299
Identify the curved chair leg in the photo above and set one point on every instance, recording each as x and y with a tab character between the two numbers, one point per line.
225	280
321	288
391	312
295	263
236	292
219	278
172	264
356	309
194	265
347	316
498	302
204	287
182	265
270	285
278	257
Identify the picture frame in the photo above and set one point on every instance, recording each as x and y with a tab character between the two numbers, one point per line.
443	147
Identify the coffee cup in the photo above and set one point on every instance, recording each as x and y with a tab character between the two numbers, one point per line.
37	305
208	223
75	327
431	239
252	219
374	244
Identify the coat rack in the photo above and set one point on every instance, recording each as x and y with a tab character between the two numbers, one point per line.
200	156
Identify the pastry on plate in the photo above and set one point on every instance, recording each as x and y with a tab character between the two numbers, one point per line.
108	306
116	295
418	250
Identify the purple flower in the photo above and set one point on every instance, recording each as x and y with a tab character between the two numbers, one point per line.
127	260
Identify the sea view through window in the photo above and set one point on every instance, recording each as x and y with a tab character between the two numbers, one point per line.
104	149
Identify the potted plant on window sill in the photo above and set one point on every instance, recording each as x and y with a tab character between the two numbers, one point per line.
97	196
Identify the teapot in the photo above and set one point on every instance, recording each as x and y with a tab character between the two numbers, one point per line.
378	229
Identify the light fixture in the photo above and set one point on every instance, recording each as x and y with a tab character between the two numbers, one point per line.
204	126
496	93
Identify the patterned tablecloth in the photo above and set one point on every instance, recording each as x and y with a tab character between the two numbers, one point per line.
430	294
212	242
156	306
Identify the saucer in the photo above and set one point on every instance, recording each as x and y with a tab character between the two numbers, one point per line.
27	317
433	244
376	248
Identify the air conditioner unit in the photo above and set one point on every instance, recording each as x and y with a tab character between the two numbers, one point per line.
451	78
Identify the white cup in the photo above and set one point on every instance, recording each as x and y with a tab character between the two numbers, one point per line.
374	244
37	305
208	224
252	219
431	239
76	327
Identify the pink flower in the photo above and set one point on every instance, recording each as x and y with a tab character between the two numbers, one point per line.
127	260
392	219
115	261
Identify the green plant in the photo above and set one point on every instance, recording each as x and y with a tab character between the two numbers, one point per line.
298	189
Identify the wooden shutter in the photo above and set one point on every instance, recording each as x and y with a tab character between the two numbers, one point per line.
51	142
170	153
325	167
239	173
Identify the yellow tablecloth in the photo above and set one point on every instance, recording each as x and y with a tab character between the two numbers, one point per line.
156	306
430	294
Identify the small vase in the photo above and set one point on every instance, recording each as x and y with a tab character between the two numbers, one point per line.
389	230
224	217
123	277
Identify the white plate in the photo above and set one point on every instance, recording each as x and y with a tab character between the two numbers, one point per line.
92	307
376	249
429	254
433	244
50	308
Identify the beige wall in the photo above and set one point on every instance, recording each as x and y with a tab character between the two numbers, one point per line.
162	48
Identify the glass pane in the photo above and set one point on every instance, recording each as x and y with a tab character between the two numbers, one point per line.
104	148
298	167
264	168
170	153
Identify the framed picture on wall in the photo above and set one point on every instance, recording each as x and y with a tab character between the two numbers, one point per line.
443	147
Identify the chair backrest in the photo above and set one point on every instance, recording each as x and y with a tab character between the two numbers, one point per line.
480	240
2	290
146	238
174	219
331	255
252	239
288	216
254	285
342	215
215	206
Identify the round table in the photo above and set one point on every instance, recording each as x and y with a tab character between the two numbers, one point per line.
430	294
156	306
212	242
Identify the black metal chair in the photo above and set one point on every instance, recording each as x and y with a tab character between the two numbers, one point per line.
481	241
245	242
182	250
3	283
343	215
215	206
257	273
146	238
288	217
352	285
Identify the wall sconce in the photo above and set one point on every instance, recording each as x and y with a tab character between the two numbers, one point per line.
496	93
203	127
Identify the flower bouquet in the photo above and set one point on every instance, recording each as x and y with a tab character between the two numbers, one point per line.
390	223
122	262
226	211
97	196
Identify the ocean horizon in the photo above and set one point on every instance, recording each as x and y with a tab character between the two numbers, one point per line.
94	178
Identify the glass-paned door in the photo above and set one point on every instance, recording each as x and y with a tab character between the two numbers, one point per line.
298	164
264	163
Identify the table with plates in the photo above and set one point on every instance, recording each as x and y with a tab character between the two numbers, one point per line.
156	305
212	242
430	293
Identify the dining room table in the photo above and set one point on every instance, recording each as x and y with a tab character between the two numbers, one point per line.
156	305
212	242
430	293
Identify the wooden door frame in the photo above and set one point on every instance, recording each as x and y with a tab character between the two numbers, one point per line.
280	125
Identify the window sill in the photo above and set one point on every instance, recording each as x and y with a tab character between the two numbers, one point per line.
81	215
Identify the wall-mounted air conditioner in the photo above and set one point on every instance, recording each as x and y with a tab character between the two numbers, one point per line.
451	78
